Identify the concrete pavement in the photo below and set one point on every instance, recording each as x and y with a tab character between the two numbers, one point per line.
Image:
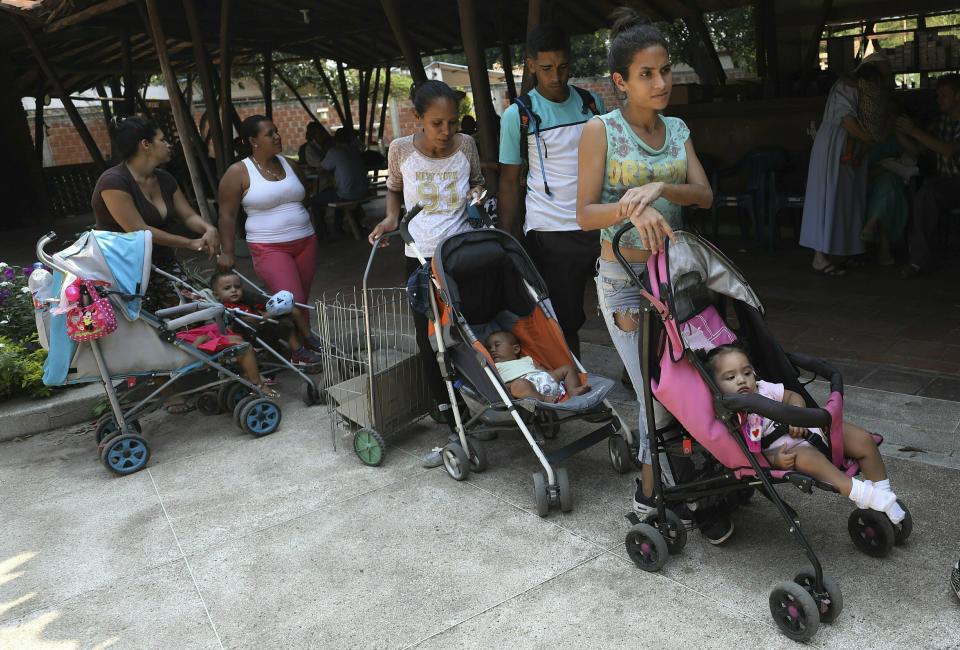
281	542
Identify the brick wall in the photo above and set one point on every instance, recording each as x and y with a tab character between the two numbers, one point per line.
67	148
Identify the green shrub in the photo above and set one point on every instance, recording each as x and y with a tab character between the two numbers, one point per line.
21	368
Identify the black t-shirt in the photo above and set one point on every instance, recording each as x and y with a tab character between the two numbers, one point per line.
120	178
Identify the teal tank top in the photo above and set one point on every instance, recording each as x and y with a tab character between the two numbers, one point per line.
631	163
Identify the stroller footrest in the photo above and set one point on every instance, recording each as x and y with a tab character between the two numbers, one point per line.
582	443
802	482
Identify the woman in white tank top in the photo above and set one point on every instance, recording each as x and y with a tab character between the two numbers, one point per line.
281	239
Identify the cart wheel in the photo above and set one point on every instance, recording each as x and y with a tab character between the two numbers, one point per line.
563	486
871	532
239	408
230	394
541	494
260	417
369	447
455	461
904	528
647	547
546	423
107	427
478	456
674	532
315	395
209	404
125	454
619	454
794	611
830	603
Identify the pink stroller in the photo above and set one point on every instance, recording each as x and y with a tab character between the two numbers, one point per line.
691	285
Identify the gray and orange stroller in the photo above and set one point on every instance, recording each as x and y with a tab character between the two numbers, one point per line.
483	281
697	299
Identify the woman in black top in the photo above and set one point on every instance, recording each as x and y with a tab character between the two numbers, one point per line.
135	195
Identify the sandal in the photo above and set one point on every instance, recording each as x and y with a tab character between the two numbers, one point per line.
179	408
830	270
268	392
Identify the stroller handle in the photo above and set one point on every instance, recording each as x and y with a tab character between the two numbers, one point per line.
42	254
797	416
405	223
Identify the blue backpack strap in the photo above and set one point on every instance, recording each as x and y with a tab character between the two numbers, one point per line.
527	116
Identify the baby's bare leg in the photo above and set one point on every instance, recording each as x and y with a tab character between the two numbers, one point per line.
522	388
570	378
858	445
810	461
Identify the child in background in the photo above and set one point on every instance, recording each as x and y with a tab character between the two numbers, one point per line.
733	373
525	378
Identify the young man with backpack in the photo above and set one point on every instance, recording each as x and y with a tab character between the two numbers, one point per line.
539	142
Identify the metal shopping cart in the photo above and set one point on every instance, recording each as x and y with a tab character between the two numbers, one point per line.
374	380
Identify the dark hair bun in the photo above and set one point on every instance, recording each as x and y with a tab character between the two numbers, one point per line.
624	19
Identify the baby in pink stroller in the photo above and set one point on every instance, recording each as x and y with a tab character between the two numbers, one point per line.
797	448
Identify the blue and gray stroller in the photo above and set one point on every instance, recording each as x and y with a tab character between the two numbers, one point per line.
142	352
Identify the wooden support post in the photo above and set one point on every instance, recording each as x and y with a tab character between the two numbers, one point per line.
373	108
383	109
321	70
344	94
61	93
180	116
92	11
196	140
206	85
761	45
362	98
708	66
534	13
226	99
769	27
39	132
129	81
105	107
268	83
812	56
282	77
506	55
479	82
410	52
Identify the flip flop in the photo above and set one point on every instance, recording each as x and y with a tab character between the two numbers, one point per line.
179	408
830	270
268	392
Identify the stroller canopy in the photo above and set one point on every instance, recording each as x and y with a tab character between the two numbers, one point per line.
480	272
696	274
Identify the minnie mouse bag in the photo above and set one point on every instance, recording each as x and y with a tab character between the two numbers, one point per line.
92	321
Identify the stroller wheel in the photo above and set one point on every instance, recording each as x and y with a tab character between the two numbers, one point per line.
239	408
830	602
315	395
455	461
107	427
563	486
230	394
674	532
620	454
647	547
871	532
541	494
545	422
125	454
904	528
260	417
369	447
209	404
478	456
794	611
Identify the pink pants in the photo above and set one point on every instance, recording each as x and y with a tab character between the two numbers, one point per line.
287	265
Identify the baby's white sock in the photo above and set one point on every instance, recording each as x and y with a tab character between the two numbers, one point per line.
866	495
894	511
883	485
